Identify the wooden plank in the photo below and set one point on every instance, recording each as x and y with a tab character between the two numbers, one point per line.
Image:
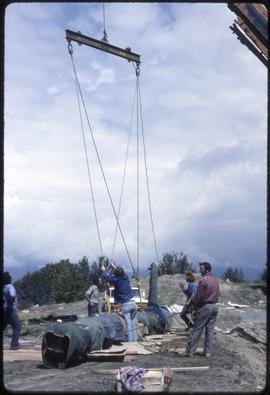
22	355
24	347
154	388
108	351
127	348
106	354
182	369
166	337
153	373
180	350
190	368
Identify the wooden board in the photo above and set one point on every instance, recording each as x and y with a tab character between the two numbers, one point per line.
129	348
177	370
165	337
22	355
181	350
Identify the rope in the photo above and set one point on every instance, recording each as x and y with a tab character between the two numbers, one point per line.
98	157
103	5
147	179
88	169
105	37
124	175
138	177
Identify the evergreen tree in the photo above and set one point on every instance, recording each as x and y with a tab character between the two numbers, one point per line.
174	262
83	277
234	275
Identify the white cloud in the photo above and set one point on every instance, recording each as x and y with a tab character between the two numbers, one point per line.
204	116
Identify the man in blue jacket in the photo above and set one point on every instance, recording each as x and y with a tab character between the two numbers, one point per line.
124	296
10	304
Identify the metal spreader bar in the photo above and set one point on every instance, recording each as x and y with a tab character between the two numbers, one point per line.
103	46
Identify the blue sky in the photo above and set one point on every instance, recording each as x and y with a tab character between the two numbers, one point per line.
204	103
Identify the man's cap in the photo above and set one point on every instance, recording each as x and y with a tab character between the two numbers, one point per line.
207	266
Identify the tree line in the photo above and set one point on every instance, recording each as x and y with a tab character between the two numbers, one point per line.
61	282
66	282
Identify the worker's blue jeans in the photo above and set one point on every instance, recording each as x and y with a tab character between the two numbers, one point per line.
184	315
205	319
11	318
129	310
92	309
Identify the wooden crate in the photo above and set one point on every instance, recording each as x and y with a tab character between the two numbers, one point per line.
155	380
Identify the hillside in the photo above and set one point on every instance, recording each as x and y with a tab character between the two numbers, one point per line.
169	293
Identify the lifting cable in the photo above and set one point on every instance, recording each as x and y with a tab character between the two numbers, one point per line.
88	169
139	117
124	174
139	112
70	49
147	178
105	36
138	171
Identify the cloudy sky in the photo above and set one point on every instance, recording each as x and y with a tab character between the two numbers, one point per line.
204	111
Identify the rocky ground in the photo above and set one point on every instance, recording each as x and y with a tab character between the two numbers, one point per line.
238	363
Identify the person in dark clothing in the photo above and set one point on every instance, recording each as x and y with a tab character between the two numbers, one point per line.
124	296
205	299
92	296
188	308
10	305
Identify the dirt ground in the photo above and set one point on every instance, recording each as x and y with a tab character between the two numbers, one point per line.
238	362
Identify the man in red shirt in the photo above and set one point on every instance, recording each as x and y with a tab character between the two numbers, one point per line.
205	299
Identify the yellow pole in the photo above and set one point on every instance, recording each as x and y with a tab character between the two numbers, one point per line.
139	286
107	297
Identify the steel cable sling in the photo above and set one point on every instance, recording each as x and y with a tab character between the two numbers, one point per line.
70	49
146	174
124	175
139	115
88	168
